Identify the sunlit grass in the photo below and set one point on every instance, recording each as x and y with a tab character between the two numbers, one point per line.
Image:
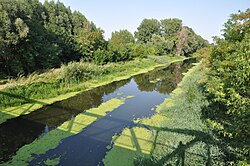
51	87
177	133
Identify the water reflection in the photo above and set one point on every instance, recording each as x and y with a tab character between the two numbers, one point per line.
22	130
162	80
89	146
149	90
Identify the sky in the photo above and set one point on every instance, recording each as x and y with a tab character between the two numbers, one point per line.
205	17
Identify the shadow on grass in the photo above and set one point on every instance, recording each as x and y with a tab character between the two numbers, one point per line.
27	100
18	110
178	154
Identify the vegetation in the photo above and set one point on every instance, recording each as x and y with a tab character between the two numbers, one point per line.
205	121
175	135
36	36
169	36
228	84
49	53
28	95
68	128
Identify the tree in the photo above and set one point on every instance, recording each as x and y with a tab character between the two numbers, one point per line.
121	39
229	81
90	40
161	45
188	42
147	28
14	31
170	27
237	26
37	36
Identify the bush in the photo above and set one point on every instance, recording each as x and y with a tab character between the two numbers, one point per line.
102	57
75	72
112	55
150	51
229	81
139	51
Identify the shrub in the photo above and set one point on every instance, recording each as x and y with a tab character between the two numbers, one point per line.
75	72
112	55
139	51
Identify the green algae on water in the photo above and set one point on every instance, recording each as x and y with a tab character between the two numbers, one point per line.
68	128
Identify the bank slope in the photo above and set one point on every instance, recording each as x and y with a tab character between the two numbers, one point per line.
24	99
175	135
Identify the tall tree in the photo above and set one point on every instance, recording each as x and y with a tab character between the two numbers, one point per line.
13	33
188	42
161	45
36	36
170	27
121	39
146	29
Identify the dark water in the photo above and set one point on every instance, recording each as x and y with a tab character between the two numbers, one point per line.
89	146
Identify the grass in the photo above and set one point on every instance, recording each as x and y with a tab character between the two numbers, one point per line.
176	135
28	94
68	128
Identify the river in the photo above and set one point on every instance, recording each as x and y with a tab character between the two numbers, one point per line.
89	146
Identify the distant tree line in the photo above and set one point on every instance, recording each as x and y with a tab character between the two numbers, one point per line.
36	36
169	36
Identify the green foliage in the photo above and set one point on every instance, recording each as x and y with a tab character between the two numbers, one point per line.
37	36
112	55
170	27
121	39
188	42
237	26
139	50
147	28
161	45
229	81
67	79
150	51
76	72
168	36
25	94
90	41
102	57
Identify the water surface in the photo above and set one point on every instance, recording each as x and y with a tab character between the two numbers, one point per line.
89	146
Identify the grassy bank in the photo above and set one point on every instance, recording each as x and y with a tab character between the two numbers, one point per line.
28	94
68	128
175	135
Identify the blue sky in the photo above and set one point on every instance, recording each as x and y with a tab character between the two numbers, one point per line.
205	17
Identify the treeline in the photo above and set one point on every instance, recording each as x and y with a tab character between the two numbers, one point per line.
35	36
40	36
169	36
228	84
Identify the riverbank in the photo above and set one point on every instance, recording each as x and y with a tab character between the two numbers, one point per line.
53	139
33	93
175	135
73	126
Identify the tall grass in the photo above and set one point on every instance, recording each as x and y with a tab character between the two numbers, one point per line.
26	94
76	72
70	77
